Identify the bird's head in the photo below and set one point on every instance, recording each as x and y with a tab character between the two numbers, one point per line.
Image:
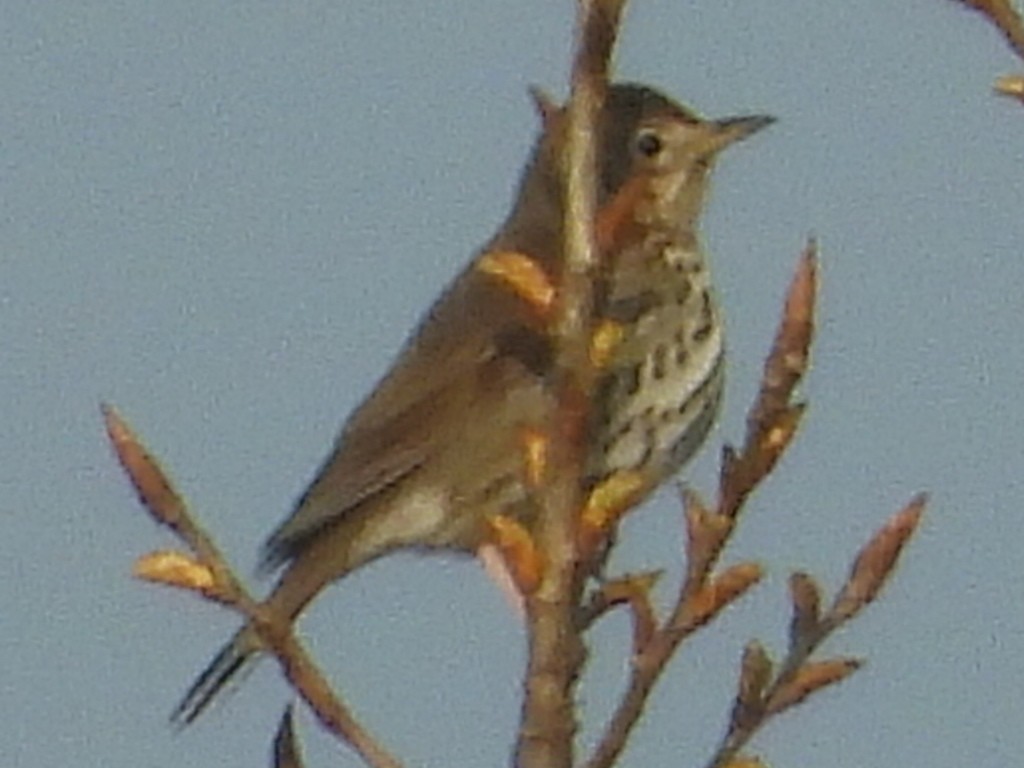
646	141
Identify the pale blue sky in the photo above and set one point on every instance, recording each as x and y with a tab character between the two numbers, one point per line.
224	217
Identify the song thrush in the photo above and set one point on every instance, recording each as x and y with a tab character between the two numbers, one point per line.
436	449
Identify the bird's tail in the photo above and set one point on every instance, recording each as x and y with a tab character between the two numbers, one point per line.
238	653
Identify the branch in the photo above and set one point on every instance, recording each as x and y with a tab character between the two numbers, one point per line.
1012	86
556	651
760	695
771	425
1005	18
207	573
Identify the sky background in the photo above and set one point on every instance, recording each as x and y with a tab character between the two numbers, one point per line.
224	218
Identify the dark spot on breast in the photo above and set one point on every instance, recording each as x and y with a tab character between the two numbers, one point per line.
625	429
707	319
683	291
630	309
659	362
699	397
650	439
630	380
613	388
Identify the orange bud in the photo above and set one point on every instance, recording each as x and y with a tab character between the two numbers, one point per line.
176	569
535	452
522	274
811	677
524	561
606	337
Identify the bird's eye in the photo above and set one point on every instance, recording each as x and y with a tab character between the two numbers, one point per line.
648	143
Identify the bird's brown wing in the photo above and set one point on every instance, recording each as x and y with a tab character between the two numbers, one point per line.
395	433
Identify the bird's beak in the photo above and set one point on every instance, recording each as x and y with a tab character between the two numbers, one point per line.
729	130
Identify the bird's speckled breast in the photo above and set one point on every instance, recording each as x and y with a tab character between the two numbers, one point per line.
662	390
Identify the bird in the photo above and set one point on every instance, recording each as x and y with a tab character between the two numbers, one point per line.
436	449
660	392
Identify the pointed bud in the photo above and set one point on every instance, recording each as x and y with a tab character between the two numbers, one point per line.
523	560
876	561
811	677
724	589
806	599
635	591
151	484
176	569
755	674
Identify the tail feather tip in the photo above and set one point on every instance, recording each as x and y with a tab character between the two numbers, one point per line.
211	682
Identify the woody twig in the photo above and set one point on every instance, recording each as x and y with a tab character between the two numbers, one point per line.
1005	18
764	691
205	571
556	652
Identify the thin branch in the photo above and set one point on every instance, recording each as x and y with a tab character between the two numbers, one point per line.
556	652
306	678
775	417
168	508
798	676
1005	18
